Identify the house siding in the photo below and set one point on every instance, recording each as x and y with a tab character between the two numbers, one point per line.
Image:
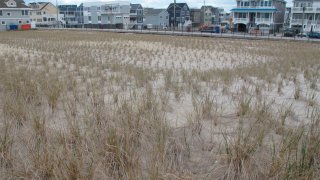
159	20
14	18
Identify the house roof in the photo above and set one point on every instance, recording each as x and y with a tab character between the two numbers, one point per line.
41	5
152	11
135	6
20	4
178	5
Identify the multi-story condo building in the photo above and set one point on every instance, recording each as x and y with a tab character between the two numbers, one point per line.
92	14
13	13
267	15
306	15
112	14
182	14
45	14
136	16
116	13
72	15
157	18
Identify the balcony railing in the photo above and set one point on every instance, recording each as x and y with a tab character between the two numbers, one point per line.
241	20
263	20
110	12
304	21
256	7
306	9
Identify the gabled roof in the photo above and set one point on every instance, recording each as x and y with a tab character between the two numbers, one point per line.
40	5
135	6
20	4
178	5
152	11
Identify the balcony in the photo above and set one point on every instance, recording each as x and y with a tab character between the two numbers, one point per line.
110	12
304	21
241	20
263	21
306	10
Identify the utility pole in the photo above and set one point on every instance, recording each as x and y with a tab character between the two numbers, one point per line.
174	15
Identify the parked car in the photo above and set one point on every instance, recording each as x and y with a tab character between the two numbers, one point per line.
314	35
208	30
302	34
289	33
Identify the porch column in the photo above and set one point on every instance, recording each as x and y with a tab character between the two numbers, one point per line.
272	16
256	18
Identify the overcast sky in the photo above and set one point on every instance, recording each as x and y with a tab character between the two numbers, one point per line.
226	4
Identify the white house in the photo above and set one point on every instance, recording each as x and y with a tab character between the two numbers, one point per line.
106	14
306	15
45	14
263	14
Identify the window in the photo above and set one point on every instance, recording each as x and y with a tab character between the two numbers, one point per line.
38	13
28	22
267	16
3	23
24	13
99	18
0	12
44	19
246	3
98	8
8	13
266	3
89	18
270	3
20	22
44	12
167	17
160	17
